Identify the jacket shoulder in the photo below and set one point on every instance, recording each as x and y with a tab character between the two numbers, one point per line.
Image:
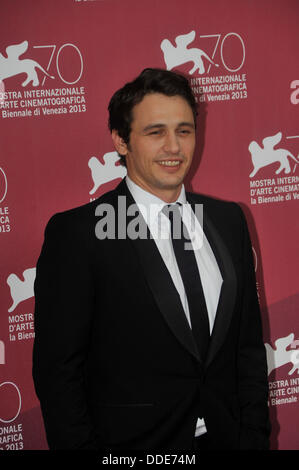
80	215
227	216
76	225
214	205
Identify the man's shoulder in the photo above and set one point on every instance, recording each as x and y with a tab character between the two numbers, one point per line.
213	204
82	215
227	216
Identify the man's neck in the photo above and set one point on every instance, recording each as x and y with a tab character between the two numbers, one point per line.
166	195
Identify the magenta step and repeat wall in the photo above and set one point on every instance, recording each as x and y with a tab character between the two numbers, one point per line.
60	62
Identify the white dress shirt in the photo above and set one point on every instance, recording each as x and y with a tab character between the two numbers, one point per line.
158	223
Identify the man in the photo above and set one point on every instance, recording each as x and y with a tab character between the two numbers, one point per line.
134	349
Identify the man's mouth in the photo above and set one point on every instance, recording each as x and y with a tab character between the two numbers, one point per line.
170	162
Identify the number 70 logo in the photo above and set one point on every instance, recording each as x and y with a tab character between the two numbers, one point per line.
222	49
57	59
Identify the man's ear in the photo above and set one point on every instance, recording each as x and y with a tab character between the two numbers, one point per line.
119	143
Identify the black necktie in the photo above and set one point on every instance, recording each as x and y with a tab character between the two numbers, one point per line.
191	279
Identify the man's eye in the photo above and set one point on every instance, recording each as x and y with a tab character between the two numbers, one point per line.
155	132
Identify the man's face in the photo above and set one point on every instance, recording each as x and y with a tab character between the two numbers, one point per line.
161	146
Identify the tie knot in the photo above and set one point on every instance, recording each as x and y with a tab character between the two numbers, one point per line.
172	211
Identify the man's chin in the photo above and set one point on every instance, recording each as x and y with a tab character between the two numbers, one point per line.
167	191
171	183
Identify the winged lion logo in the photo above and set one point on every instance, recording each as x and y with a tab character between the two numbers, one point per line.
12	64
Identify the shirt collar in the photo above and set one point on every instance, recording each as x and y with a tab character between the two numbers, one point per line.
149	204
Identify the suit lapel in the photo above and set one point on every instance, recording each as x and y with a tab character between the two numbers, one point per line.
160	281
165	293
228	289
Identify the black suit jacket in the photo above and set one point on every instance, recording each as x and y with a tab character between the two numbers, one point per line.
115	365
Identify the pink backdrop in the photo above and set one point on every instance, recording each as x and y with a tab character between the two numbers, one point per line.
54	141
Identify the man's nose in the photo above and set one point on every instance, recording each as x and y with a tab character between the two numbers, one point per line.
171	143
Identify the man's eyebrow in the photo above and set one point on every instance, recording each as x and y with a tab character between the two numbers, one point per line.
160	126
187	123
153	126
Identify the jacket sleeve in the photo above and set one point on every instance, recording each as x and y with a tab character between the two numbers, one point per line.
252	364
63	316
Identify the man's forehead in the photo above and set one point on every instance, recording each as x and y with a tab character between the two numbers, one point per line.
156	108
